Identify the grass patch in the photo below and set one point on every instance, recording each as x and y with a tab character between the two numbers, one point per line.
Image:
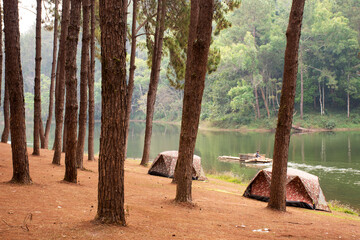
339	207
228	177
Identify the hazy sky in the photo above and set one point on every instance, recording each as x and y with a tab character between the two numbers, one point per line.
27	15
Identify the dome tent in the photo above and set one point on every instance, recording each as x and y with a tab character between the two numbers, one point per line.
302	189
164	165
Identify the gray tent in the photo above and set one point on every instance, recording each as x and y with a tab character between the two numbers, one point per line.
165	163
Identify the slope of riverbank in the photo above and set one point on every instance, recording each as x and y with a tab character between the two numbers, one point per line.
53	209
313	123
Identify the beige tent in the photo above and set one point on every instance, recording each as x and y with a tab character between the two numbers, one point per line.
302	189
165	163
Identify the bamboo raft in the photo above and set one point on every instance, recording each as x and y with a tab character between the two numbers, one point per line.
245	158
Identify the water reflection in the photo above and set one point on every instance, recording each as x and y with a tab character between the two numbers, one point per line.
349	149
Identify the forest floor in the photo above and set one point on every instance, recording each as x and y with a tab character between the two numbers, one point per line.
52	209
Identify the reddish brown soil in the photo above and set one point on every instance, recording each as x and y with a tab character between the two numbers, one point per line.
60	210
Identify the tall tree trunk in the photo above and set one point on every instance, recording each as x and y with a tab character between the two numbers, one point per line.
257	102
41	133
64	133
349	148
52	85
6	131
273	101
71	110
282	136
276	96
301	87
154	78
265	101
113	115
197	56
1	50
320	100
84	75
255	113
348	97
323	101
91	86
37	88
14	79
131	70
60	82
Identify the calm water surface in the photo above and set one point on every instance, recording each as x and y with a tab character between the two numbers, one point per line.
333	157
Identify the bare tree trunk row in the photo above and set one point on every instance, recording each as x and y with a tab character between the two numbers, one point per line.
91	86
154	78
37	87
84	75
131	70
52	82
14	81
60	82
71	111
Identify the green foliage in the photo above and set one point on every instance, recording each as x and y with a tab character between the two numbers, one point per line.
242	97
339	207
253	53
228	177
331	124
248	52
221	9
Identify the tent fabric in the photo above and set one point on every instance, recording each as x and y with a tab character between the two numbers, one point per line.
302	189
164	165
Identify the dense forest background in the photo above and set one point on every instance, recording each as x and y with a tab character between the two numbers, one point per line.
245	88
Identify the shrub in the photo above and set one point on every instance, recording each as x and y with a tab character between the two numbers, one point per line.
331	124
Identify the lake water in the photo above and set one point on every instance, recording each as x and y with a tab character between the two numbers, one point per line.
333	157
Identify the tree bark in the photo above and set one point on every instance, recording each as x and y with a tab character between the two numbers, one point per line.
91	86
71	110
60	82
257	108
14	79
301	87
113	115
265	101
6	131
320	101
41	132
348	97
131	70
197	55
1	50
282	136
37	88
84	75
323	98
52	85
64	132
154	78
